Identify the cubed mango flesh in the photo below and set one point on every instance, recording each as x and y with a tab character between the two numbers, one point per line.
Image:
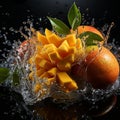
50	80
56	40
71	39
54	57
48	33
65	80
63	48
64	66
52	72
49	48
41	38
45	64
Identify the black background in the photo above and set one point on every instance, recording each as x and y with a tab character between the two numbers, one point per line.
14	12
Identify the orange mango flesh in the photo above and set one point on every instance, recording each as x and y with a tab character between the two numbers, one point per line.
54	57
66	81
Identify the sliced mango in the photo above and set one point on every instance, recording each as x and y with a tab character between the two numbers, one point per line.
65	80
38	48
48	33
56	40
64	66
48	48
37	58
54	57
50	80
63	48
71	39
44	75
52	72
45	64
40	72
70	58
41	38
71	86
37	87
72	50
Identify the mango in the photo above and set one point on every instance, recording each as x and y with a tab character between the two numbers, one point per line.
48	33
56	40
52	72
37	87
70	58
71	86
37	58
48	48
41	38
31	75
40	71
50	80
63	48
64	66
65	80
54	57
45	64
71	39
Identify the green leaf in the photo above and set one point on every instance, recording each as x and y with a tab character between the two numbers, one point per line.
90	38
74	16
59	26
16	77
4	73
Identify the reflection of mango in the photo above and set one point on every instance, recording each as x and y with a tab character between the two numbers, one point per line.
54	57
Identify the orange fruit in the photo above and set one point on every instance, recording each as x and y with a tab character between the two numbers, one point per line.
100	67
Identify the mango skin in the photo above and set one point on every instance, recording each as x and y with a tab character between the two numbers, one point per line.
100	67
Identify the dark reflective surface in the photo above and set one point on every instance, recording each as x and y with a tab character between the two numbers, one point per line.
13	13
15	108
